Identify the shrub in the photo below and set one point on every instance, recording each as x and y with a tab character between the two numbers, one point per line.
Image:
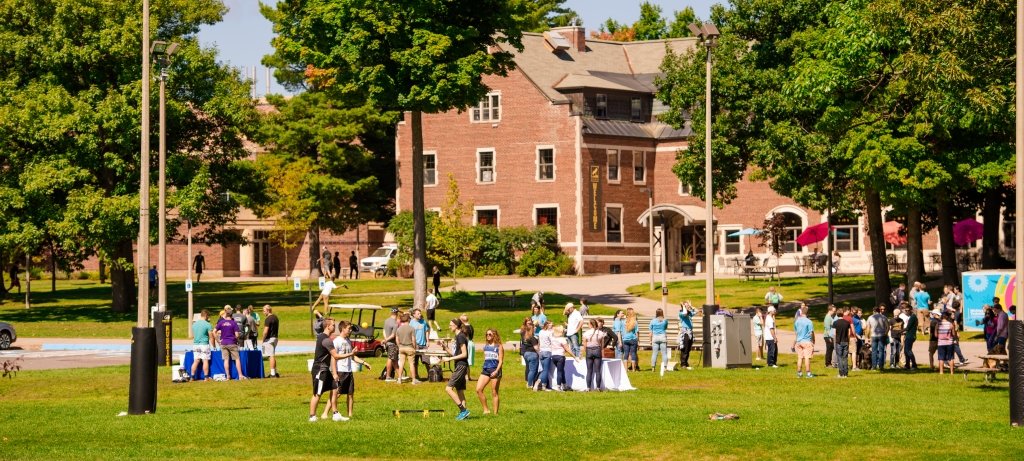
465	269
540	260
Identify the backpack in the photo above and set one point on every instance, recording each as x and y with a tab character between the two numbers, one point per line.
434	374
894	298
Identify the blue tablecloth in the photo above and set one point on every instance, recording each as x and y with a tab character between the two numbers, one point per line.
252	364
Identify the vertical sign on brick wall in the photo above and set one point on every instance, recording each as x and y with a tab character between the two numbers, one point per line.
595	198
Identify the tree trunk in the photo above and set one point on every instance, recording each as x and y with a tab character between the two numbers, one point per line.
122	278
314	250
915	246
419	253
990	258
873	202
950	273
53	269
3	270
103	271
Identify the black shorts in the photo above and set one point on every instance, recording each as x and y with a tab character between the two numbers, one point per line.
346	383
322	382
392	350
430	314
487	372
458	379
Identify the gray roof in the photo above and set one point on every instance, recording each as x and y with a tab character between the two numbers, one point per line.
654	130
627	66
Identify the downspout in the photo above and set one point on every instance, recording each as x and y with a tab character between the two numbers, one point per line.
579	195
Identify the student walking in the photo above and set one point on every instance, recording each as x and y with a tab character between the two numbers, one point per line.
494	359
771	338
456	387
758	321
909	337
773	297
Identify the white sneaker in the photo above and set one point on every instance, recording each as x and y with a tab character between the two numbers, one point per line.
689	368
416	382
312	419
390	380
339	417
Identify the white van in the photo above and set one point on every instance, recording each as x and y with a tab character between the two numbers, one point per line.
378	261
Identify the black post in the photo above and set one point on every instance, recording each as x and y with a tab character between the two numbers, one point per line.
142	380
1015	347
709	310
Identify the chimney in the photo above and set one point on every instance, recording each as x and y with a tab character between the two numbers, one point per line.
576	35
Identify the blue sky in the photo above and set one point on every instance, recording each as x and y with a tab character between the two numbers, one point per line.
244	35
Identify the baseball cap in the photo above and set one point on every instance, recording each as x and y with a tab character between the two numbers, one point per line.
771	309
936	312
569	305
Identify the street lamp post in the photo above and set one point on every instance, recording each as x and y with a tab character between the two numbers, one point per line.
650	230
162	52
1016	401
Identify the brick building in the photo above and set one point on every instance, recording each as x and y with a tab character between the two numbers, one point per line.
571	138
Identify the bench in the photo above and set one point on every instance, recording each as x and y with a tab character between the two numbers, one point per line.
992	364
768	272
498	295
644	333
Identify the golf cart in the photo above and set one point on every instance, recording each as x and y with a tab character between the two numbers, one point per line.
365	332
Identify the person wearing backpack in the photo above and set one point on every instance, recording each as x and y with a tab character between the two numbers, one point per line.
898	295
878	328
773	297
896	336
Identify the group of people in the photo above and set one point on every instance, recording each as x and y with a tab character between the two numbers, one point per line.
236	329
330	266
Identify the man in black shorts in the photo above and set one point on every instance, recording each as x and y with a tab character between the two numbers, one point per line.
198	264
456	387
391	345
325	371
346	363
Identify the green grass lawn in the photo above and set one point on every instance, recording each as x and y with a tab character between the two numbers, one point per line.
82	308
71	414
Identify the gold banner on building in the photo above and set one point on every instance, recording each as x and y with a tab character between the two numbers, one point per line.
595	198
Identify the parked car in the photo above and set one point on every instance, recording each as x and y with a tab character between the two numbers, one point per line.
7	335
377	263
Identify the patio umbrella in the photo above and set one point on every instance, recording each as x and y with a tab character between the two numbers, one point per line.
967	231
893	235
813	234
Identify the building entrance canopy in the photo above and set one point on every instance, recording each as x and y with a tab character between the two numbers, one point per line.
692	214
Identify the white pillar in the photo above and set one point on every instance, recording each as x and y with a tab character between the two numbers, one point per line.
247	256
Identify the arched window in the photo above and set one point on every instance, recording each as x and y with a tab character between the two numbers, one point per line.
794	226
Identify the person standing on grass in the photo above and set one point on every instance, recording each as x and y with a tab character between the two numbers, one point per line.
336	265
922	301
858	329
771	338
829	335
545	357
878	328
353	266
594	341
346	361
324	371
575	323
325	263
946	333
659	338
529	347
436	276
202	344
843	333
538	317
559	347
154	276
773	297
686	312
611	341
1002	326
630	336
390	346
896	336
758	321
494	360
909	337
228	331
933	336
270	330
456	387
405	337
422	330
432	303
618	328
584	307
804	343
198	264
471	348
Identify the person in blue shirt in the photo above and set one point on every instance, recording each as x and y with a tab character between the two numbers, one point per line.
858	328
659	338
686	312
631	328
619	327
804	343
538	317
421	329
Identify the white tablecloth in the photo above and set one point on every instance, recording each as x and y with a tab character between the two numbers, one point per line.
613	375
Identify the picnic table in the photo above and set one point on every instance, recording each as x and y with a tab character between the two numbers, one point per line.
768	272
992	364
498	295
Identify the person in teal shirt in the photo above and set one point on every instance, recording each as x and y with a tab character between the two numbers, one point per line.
202	344
539	319
686	312
804	342
659	338
630	329
619	327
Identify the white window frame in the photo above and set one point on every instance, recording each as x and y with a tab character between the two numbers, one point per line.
479	109
618	165
853	237
478	209
558	216
724	239
643	155
553	167
622	223
494	166
433	154
685	190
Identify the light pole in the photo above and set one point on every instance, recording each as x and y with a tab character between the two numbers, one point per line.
1016	403
650	229
708	35
162	52
142	375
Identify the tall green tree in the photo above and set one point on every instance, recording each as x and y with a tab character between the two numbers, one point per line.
424	56
69	126
651	25
680	22
320	174
541	15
